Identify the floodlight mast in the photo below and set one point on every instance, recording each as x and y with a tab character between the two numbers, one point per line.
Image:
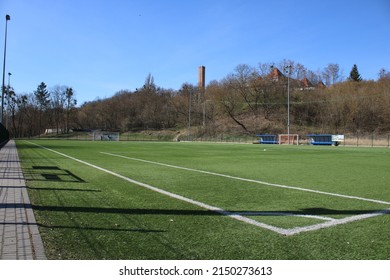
287	69
189	116
8	97
7	18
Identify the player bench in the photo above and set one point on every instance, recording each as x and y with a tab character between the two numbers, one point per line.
267	138
325	139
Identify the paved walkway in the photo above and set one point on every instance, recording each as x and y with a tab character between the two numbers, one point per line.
19	235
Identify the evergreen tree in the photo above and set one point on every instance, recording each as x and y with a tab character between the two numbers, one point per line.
42	96
354	75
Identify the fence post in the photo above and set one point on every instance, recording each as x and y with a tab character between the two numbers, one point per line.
388	141
357	139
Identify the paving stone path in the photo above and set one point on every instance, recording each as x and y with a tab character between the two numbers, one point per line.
19	235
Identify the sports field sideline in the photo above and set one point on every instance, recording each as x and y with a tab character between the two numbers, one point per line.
145	200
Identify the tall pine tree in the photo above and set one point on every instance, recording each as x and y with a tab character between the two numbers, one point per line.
354	75
42	96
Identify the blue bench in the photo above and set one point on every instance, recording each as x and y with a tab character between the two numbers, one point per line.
267	139
322	139
321	143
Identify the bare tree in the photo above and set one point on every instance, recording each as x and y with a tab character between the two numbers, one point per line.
57	106
383	74
300	71
230	101
332	73
70	103
265	69
314	78
242	81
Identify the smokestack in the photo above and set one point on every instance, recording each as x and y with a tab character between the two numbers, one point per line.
201	78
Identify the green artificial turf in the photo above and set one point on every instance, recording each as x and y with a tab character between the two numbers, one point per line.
86	213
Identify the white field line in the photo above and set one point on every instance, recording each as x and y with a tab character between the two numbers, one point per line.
336	222
172	195
251	180
283	214
330	221
219	210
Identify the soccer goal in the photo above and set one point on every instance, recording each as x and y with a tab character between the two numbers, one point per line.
105	136
289	139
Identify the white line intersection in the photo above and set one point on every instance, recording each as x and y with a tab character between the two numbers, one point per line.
329	222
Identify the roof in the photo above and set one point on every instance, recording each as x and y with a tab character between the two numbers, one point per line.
276	75
306	83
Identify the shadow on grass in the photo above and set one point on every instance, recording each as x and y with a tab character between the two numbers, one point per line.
28	146
128	211
63	189
136	211
51	173
83	228
118	229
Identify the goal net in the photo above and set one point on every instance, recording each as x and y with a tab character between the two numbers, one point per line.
105	136
289	139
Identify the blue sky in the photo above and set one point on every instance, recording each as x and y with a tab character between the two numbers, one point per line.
99	47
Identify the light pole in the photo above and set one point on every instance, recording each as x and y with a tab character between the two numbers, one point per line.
287	70
8	96
7	18
189	116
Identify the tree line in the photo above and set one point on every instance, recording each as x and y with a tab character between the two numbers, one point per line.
249	100
29	115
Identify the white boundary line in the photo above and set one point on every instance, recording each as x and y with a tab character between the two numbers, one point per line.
220	210
330	221
250	180
172	195
336	222
283	214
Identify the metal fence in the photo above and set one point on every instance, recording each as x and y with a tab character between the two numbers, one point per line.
353	139
367	140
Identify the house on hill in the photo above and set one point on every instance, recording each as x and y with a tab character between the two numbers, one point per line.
306	84
321	85
277	76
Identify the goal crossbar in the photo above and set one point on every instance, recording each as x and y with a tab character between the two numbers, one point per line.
289	139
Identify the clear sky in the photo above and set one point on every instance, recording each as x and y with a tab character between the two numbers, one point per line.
99	47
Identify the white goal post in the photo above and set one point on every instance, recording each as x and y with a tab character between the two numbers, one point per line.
105	136
289	139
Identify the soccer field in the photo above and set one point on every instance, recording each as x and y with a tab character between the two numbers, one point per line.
153	200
